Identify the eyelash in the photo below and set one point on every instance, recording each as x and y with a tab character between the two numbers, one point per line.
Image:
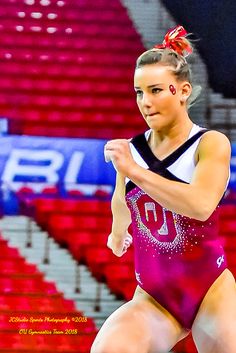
154	91
139	93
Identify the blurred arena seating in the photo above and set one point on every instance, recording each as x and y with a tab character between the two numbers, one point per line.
215	44
67	71
67	68
31	304
227	226
83	226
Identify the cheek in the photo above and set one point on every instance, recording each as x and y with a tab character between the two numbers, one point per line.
139	104
168	101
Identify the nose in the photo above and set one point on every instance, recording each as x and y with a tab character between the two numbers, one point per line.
146	100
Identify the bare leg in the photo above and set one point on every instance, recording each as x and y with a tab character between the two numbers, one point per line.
214	329
139	326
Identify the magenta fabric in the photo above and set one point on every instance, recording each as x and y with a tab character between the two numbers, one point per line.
177	258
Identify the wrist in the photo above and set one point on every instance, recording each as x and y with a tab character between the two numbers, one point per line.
134	172
117	237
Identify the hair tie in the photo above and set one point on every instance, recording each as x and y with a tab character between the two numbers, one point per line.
175	40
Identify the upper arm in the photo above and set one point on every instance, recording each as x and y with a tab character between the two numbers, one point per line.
212	170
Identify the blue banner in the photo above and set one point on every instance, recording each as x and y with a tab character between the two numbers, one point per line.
37	161
232	183
33	163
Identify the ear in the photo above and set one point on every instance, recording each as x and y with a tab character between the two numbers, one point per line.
185	91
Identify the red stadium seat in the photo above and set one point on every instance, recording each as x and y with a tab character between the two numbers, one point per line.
78	242
9	252
228	226
18	267
24	294
119	276
26	285
59	225
185	346
97	258
46	80
127	289
227	211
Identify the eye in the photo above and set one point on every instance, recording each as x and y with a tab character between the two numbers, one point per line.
156	90
139	93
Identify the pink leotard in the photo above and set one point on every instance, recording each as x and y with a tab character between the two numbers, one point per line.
177	258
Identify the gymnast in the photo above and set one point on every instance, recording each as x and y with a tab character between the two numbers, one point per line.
170	181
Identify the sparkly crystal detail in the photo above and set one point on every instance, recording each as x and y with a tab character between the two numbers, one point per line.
144	234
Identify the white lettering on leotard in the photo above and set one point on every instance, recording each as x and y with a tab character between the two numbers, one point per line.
151	207
137	275
220	260
164	229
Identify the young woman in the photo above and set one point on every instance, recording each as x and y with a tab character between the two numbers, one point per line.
170	181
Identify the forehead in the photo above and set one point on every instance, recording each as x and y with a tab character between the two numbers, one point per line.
153	74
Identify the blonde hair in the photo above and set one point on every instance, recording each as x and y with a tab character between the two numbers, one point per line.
177	64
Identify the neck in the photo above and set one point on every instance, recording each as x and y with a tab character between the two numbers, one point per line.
177	131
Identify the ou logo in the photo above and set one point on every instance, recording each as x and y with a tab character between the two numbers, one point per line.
161	222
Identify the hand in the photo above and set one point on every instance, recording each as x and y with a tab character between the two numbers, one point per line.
118	151
119	247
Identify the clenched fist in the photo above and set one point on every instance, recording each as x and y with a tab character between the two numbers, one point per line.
119	247
118	151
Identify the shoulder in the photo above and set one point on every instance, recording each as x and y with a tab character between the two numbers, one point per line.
214	142
215	136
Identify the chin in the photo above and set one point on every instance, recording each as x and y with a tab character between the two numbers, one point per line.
155	126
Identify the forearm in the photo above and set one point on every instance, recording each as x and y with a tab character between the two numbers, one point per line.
117	240
121	220
182	198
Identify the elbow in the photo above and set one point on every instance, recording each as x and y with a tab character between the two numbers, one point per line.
203	213
203	217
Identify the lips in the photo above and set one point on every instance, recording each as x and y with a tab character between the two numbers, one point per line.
151	114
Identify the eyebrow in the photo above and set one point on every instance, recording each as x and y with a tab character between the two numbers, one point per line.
151	86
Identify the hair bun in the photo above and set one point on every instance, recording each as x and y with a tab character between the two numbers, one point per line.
175	40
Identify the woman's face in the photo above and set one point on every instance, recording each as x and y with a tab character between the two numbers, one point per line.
160	97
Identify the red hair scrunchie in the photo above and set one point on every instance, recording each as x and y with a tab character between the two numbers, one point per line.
175	40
